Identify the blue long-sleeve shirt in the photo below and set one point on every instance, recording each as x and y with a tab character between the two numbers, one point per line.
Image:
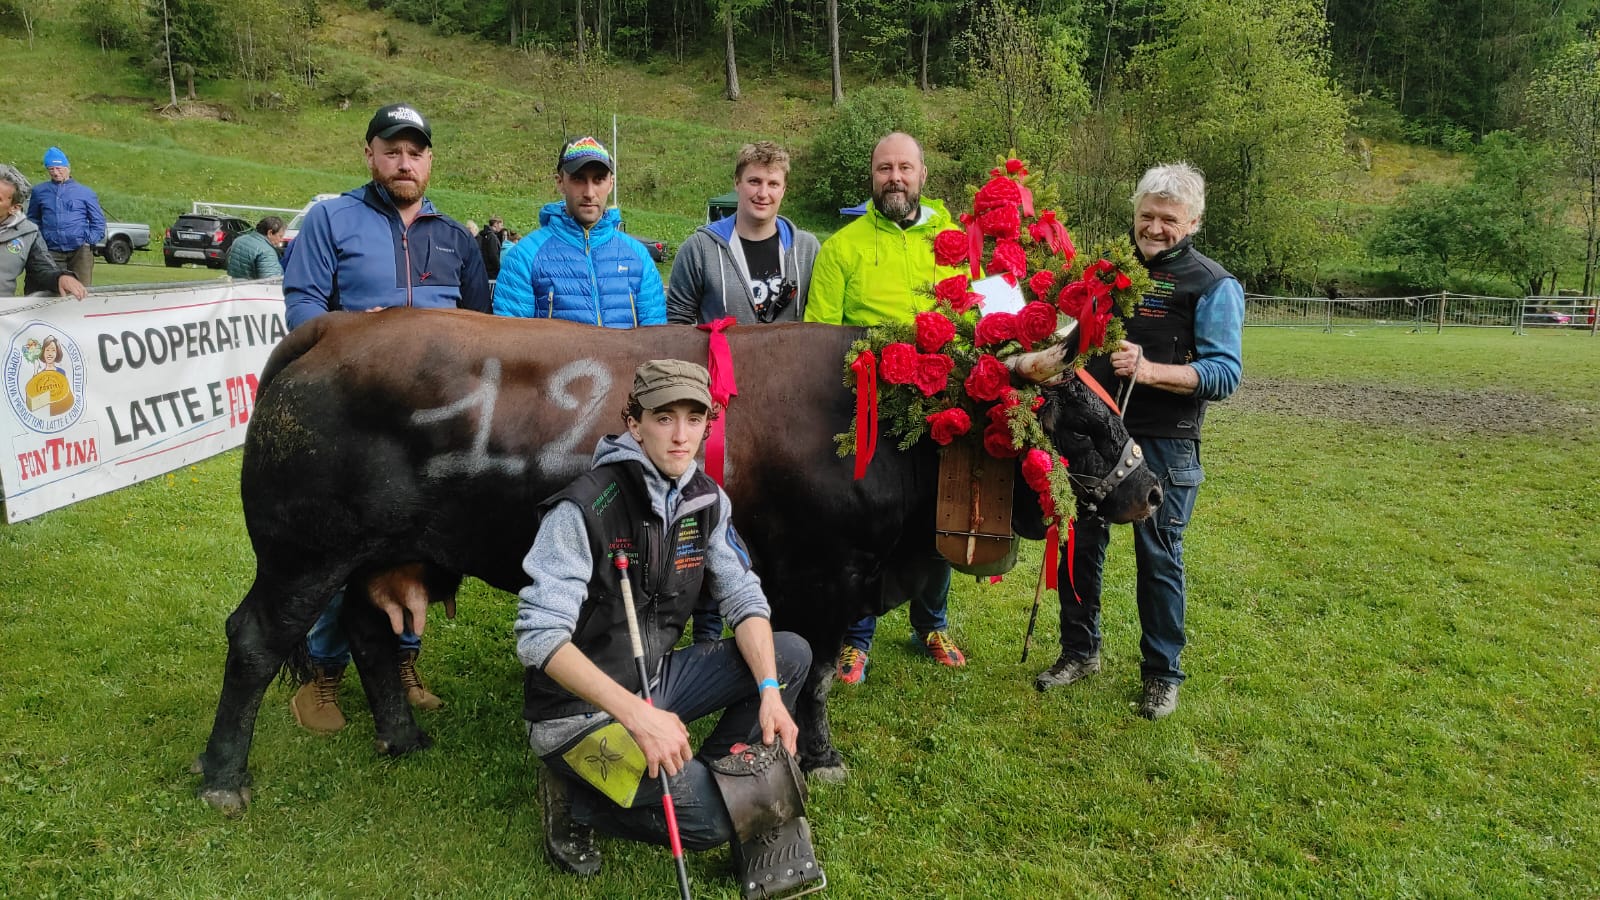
68	215
1218	330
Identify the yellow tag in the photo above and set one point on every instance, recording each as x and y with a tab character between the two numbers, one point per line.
609	759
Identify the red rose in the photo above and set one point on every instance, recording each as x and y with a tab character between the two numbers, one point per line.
951	289
999	414
1036	322
950	247
997	442
1034	405
933	331
1014	166
1036	466
988	378
1003	222
1122	281
999	192
1092	328
948	424
1041	282
933	373
1008	257
899	363
1073	298
995	328
1009	398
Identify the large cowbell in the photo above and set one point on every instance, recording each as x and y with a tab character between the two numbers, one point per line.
766	797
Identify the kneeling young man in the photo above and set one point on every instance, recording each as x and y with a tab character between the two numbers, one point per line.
602	744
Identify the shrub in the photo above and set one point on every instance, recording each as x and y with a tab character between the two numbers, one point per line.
841	152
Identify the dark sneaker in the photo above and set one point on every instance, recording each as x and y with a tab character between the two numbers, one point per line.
1160	699
569	845
1066	670
941	648
852	668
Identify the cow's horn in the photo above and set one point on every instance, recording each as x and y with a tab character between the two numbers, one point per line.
1043	365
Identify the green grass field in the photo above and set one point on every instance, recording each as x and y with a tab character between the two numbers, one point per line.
1394	634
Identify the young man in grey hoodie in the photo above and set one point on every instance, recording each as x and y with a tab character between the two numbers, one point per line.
582	697
755	266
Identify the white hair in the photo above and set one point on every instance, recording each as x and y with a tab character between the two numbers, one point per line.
1178	182
20	186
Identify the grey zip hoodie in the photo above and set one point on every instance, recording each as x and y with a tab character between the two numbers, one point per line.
22	249
710	280
560	564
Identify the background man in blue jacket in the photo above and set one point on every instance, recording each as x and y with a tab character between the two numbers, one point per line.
380	245
579	265
69	216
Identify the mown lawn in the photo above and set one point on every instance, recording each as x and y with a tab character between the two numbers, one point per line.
1394	635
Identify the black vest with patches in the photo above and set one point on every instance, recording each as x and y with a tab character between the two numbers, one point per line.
666	564
1163	324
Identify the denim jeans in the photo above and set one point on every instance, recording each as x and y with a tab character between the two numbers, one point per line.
327	645
1158	553
930	611
696	681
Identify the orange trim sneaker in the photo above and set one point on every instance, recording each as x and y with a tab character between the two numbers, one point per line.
852	668
941	648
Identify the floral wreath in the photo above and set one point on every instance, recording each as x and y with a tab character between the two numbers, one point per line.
946	370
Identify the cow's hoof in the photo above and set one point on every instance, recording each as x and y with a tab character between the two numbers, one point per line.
229	803
402	746
830	774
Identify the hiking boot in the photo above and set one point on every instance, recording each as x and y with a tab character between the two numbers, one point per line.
941	648
1067	670
316	704
570	846
416	694
1160	699
852	668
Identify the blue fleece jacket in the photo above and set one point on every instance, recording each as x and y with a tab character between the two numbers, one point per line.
600	276
354	253
68	215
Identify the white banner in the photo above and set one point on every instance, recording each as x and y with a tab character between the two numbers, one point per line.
120	387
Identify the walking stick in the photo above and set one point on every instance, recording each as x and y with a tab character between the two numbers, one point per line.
1033	617
621	562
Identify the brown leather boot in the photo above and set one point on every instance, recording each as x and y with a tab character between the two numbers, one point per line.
416	693
316	704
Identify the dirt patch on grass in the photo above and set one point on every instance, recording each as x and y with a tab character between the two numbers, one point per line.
1436	410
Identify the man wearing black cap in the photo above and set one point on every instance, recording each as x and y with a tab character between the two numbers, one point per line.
380	245
579	265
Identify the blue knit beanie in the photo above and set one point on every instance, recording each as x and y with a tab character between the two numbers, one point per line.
54	157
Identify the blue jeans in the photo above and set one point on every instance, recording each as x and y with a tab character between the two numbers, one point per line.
327	645
930	611
696	681
1158	553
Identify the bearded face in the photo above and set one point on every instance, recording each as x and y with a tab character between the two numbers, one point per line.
897	177
402	167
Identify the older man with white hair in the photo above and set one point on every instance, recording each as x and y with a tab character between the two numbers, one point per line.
23	245
1182	351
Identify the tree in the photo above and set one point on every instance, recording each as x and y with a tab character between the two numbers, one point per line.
833	51
1565	105
1421	232
841	152
187	39
1241	89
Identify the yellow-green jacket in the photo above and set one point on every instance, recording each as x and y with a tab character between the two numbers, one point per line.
872	271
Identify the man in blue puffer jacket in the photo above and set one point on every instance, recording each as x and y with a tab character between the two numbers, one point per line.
579	265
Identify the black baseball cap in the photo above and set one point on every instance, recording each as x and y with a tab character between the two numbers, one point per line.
396	118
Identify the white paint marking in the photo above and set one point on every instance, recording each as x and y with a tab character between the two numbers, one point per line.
478	460
562	455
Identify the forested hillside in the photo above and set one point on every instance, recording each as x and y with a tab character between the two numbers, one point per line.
1295	109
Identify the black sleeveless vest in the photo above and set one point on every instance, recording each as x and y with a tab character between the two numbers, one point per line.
1163	324
666	564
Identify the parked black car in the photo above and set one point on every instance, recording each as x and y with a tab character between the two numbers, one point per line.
201	239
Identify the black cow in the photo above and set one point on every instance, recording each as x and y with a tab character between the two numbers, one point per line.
399	451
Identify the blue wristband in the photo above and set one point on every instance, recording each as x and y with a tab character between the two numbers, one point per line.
769	683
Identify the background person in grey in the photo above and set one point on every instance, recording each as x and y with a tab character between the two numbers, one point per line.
22	248
254	254
755	266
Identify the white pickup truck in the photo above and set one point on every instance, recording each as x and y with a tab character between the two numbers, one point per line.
122	238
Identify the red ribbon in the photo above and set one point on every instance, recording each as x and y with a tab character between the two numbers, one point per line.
975	247
1027	199
866	369
719	363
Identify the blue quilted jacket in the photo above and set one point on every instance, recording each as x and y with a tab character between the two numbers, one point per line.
602	276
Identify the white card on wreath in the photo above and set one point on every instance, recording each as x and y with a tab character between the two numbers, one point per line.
999	295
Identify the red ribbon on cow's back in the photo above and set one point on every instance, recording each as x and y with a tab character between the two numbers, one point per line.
719	363
866	369
1093	384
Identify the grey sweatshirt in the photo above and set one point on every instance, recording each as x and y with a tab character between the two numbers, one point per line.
710	280
22	249
561	565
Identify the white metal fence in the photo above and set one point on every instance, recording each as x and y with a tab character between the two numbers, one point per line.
1423	312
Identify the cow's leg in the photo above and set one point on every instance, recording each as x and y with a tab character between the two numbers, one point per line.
271	620
375	649
818	757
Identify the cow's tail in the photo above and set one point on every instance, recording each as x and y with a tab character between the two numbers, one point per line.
294	345
297	668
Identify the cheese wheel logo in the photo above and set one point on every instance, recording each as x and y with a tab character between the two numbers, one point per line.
43	377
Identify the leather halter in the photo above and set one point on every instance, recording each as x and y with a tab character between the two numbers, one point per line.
1131	457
